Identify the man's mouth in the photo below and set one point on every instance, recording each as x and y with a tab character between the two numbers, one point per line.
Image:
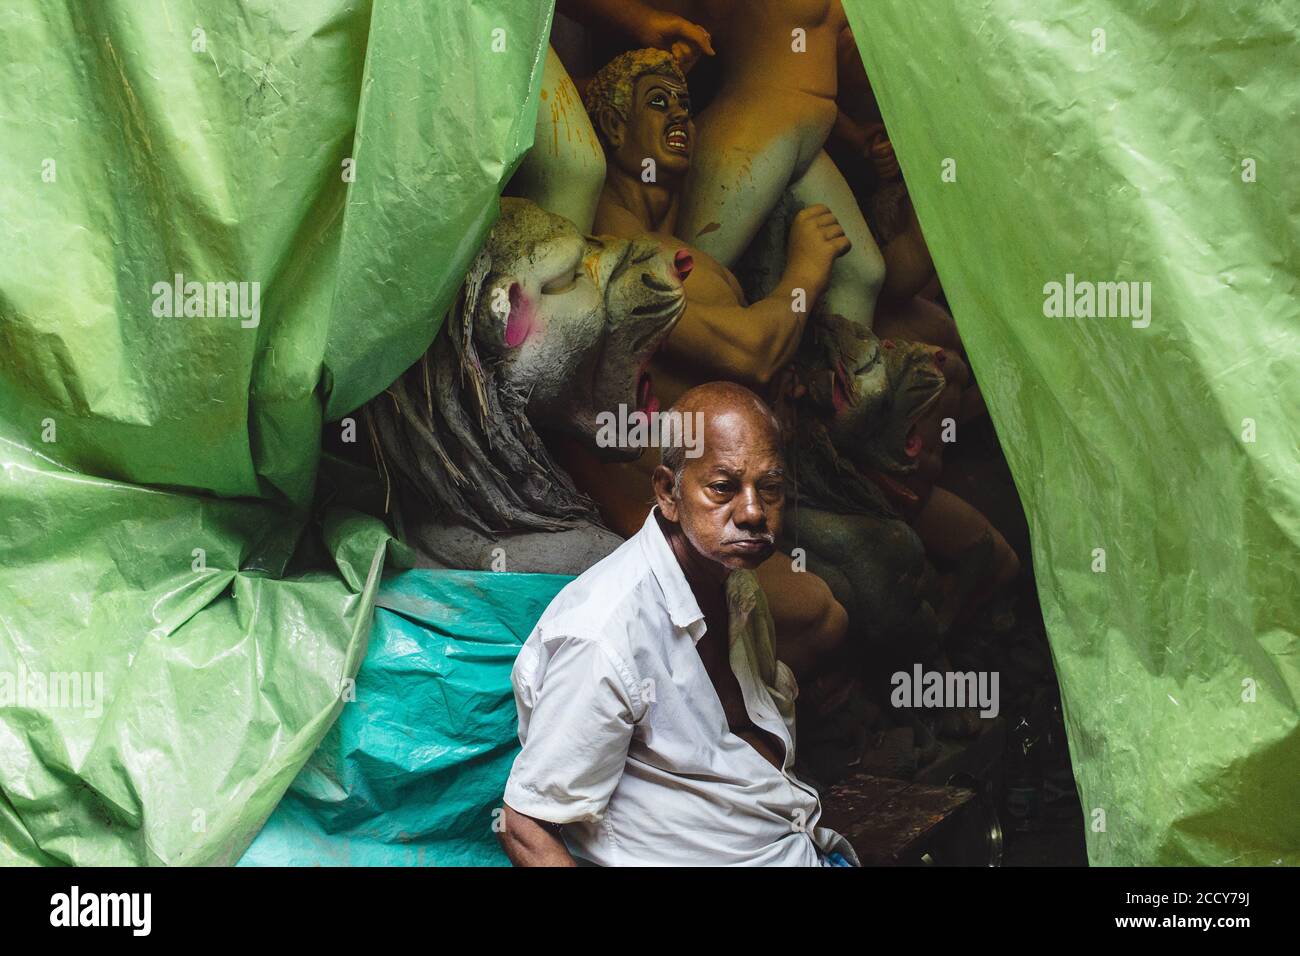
751	545
677	140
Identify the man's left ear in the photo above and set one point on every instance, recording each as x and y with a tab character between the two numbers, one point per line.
662	482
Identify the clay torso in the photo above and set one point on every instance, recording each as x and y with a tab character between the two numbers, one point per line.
758	36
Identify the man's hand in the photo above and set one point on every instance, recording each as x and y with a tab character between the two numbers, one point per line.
532	842
685	40
816	240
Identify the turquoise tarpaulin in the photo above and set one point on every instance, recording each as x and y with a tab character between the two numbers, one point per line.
412	772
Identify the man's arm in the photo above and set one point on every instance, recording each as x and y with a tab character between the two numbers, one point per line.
532	842
576	720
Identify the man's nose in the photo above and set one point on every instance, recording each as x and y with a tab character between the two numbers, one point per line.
750	512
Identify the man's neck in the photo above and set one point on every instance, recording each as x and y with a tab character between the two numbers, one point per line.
654	205
707	579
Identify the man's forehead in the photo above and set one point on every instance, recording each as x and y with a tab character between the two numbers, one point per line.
737	442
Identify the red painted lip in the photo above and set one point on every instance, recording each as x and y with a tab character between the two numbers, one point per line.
645	396
839	388
683	263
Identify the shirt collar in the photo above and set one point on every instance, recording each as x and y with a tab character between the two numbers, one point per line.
683	609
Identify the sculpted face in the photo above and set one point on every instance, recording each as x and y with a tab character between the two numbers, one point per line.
733	496
893	433
658	127
572	321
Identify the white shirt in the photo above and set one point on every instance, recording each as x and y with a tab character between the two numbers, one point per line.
624	737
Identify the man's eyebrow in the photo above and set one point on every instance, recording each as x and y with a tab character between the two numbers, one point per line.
730	472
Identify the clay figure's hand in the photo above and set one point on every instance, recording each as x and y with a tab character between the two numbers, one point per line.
880	152
685	40
816	240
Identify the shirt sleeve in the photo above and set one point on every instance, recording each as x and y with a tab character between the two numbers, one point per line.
577	712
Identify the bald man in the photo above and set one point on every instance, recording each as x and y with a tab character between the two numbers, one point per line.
657	724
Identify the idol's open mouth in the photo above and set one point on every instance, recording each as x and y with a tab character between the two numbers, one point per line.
645	394
914	443
676	139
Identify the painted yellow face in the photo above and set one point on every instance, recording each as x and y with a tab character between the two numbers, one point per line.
658	128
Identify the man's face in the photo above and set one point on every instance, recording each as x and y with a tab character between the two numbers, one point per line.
658	127
733	495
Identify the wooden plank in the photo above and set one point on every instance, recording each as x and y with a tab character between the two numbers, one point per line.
891	822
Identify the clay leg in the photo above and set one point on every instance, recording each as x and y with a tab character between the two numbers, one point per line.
857	275
908	265
918	320
565	170
954	530
736	179
810	624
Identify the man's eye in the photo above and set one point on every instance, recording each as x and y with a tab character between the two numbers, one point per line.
721	487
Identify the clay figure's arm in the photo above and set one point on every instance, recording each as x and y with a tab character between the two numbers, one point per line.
751	344
849	131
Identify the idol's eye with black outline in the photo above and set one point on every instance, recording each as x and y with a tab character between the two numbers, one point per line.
658	99
564	282
569	269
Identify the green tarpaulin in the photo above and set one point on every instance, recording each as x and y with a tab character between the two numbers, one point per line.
157	469
1149	142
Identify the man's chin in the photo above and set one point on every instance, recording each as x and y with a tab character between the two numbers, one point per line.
737	560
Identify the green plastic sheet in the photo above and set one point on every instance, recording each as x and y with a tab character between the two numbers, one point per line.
160	527
1117	142
412	772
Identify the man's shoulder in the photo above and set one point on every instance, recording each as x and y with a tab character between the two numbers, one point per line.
610	602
